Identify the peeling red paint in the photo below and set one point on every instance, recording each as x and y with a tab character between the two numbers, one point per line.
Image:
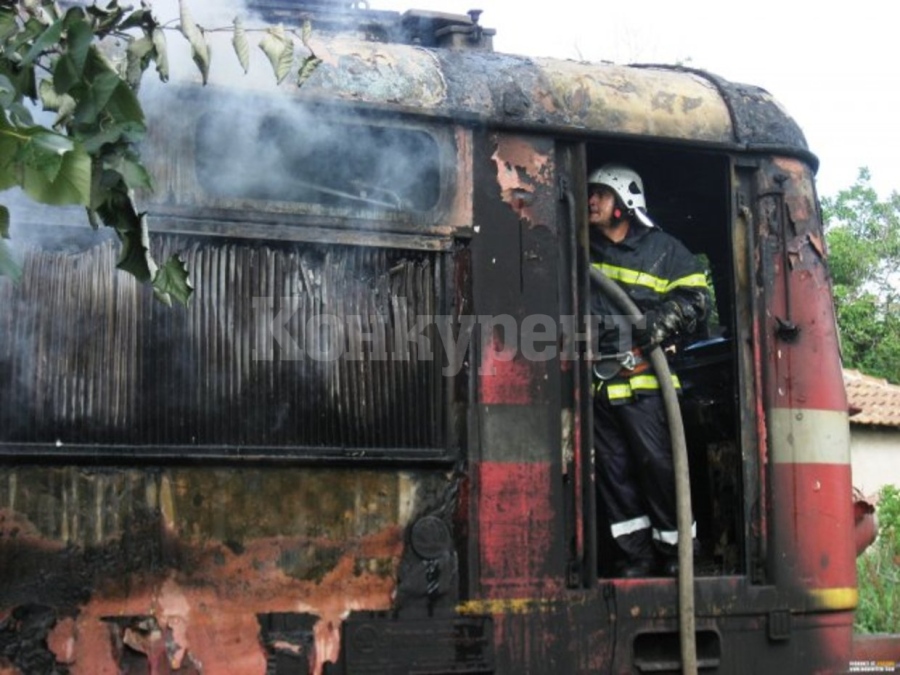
817	244
206	616
62	640
216	624
519	170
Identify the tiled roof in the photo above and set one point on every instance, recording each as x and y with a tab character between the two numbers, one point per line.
873	401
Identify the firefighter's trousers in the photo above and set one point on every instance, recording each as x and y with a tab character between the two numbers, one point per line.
635	474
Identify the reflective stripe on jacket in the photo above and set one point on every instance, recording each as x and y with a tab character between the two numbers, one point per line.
658	284
624	389
655	270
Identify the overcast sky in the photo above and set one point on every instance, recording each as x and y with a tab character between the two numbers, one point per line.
836	71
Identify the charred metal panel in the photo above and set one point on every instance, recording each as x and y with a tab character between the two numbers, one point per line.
759	121
374	644
191	565
24	635
280	347
290	642
517	501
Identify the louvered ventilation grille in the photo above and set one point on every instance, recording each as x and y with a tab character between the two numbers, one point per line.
88	356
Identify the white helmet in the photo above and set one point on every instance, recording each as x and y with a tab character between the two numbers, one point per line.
627	184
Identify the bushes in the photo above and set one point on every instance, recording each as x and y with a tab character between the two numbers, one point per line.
878	571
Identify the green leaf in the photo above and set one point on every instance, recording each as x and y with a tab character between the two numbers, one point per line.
62	104
199	46
138	57
49	98
116	209
71	183
307	66
79	37
279	49
22	79
132	171
10	147
34	154
106	18
306	33
8	265
66	74
137	19
241	45
126	132
8	24
65	112
31	31
172	282
7	91
4	222
44	153
19	114
124	106
135	257
48	40
100	84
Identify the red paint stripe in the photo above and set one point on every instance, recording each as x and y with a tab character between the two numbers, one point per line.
812	522
515	524
505	380
506	377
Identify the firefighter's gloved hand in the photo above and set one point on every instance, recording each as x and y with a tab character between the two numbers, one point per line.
665	322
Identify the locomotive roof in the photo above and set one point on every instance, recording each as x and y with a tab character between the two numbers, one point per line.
442	65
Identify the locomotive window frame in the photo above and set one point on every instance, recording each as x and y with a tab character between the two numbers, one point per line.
185	191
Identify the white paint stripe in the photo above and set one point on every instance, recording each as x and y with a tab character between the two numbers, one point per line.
806	436
629	526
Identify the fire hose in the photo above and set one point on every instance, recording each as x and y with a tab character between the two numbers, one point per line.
682	479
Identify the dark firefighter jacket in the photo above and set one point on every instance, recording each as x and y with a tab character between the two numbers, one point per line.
667	284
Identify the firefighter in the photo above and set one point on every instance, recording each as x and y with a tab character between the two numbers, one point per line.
635	474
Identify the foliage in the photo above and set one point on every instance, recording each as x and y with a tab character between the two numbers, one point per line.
89	155
863	236
878	571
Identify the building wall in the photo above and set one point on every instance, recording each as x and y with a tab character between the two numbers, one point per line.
875	457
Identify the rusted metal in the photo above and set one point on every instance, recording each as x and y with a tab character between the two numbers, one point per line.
182	562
